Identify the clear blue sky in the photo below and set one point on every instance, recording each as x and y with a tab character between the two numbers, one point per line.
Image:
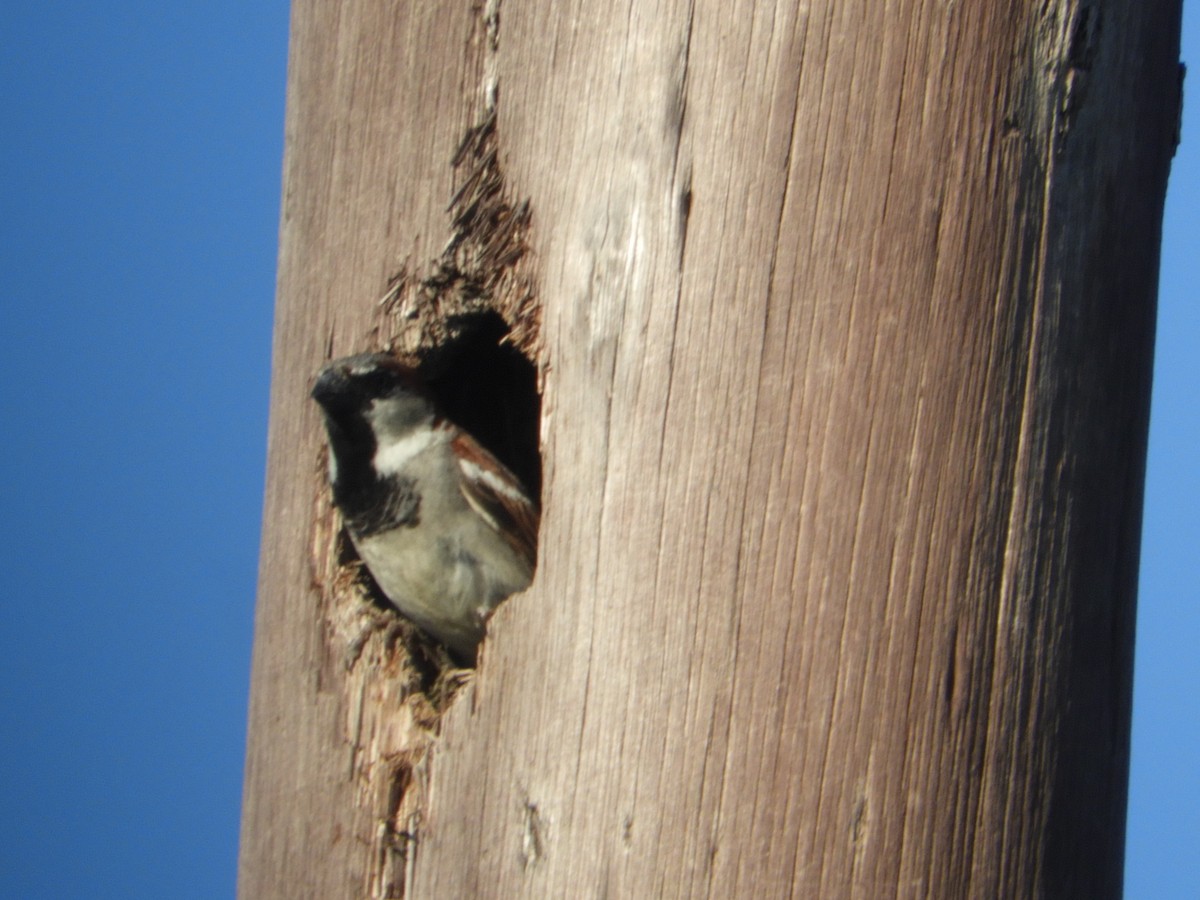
140	150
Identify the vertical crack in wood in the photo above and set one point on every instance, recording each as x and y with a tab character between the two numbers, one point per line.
480	268
533	835
484	265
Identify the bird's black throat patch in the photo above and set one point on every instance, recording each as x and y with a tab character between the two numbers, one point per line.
379	505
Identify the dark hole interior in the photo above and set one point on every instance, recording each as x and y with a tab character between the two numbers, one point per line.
489	388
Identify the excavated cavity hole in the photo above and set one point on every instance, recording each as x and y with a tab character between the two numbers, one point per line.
489	388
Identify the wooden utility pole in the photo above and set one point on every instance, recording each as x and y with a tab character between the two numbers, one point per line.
843	314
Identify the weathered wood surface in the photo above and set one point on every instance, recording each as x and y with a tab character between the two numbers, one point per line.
847	314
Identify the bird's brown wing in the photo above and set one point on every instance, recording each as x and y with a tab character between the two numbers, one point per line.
496	494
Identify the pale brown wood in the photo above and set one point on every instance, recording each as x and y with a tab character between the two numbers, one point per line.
376	109
846	320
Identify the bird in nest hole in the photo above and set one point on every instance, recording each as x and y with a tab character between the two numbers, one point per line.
445	529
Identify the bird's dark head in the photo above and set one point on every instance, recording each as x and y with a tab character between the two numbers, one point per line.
370	401
354	383
371	390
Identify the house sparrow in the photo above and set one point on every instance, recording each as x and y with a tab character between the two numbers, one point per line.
445	529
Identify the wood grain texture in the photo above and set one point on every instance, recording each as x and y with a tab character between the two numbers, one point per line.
847	315
379	97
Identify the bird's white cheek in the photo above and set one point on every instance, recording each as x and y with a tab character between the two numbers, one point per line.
395	455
